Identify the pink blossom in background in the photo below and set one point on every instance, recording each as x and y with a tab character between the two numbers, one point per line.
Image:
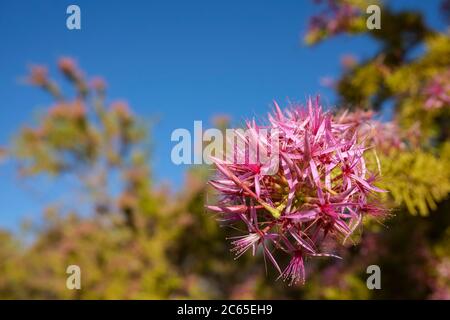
335	18
437	92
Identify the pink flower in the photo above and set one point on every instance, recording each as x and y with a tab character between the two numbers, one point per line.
335	18
437	91
295	271
313	185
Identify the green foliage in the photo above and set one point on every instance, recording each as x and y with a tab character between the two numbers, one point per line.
415	179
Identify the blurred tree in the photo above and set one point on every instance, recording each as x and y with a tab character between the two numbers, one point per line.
137	241
410	76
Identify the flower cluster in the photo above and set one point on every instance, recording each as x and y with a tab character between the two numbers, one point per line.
320	190
337	17
385	136
437	92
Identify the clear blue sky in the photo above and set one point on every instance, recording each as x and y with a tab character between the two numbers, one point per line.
178	61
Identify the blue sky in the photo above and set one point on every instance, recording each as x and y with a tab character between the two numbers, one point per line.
174	61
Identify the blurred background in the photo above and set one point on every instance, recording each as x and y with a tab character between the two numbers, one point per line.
85	144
